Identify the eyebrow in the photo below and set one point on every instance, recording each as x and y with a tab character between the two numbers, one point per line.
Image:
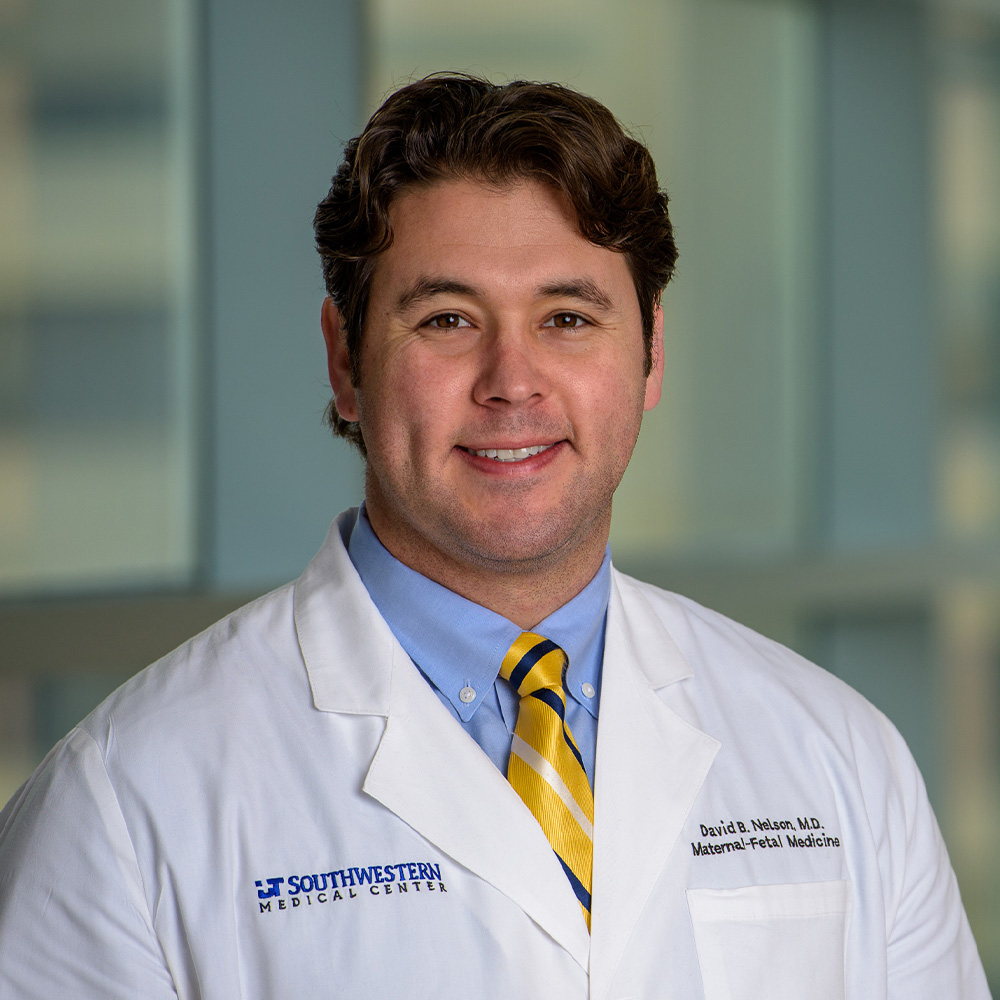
578	288
425	288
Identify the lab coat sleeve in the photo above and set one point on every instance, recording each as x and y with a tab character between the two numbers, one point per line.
74	917
930	948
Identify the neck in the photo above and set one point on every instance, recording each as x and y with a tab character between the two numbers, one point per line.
524	600
524	593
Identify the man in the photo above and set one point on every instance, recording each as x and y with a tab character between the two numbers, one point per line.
386	779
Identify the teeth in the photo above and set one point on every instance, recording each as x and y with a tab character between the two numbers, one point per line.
510	454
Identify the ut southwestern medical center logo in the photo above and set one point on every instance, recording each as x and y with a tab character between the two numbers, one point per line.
290	892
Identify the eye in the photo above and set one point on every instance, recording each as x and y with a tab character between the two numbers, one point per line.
447	321
565	321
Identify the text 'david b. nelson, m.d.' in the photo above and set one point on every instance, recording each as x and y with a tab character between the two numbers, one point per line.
762	833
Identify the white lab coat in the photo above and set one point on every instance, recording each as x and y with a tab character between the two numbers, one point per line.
180	839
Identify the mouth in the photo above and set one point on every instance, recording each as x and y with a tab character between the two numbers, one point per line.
509	454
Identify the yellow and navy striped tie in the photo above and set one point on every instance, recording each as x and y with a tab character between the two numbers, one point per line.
545	765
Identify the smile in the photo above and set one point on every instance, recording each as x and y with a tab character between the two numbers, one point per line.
510	454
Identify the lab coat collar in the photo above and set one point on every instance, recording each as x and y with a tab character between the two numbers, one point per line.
345	642
427	770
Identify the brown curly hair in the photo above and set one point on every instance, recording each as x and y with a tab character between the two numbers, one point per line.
460	126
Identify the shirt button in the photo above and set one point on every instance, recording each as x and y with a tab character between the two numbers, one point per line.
467	695
588	690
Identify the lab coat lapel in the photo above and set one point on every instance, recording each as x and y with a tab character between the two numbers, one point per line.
651	765
427	769
431	774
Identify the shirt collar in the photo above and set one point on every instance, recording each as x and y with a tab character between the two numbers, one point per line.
458	644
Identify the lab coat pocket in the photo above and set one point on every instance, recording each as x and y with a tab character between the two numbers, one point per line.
783	942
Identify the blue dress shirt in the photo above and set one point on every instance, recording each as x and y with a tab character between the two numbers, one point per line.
459	645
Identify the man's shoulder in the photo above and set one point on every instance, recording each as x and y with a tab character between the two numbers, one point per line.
727	656
217	674
747	690
263	661
692	624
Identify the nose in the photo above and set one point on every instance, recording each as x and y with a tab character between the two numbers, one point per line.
511	370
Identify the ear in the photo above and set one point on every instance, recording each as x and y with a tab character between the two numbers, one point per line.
337	361
654	380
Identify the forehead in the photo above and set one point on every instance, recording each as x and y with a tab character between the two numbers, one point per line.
506	236
452	201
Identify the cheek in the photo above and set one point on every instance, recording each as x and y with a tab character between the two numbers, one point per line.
617	411
406	413
613	393
432	391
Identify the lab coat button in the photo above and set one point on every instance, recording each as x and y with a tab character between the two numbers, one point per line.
467	695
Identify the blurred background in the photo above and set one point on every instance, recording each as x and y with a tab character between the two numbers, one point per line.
825	465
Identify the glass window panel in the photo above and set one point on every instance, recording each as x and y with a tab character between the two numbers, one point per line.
966	158
967	161
96	238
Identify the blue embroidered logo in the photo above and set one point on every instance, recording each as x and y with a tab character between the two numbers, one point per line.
293	891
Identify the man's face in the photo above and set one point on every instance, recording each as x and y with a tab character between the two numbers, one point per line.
501	387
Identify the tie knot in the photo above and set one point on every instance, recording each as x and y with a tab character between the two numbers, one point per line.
532	663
